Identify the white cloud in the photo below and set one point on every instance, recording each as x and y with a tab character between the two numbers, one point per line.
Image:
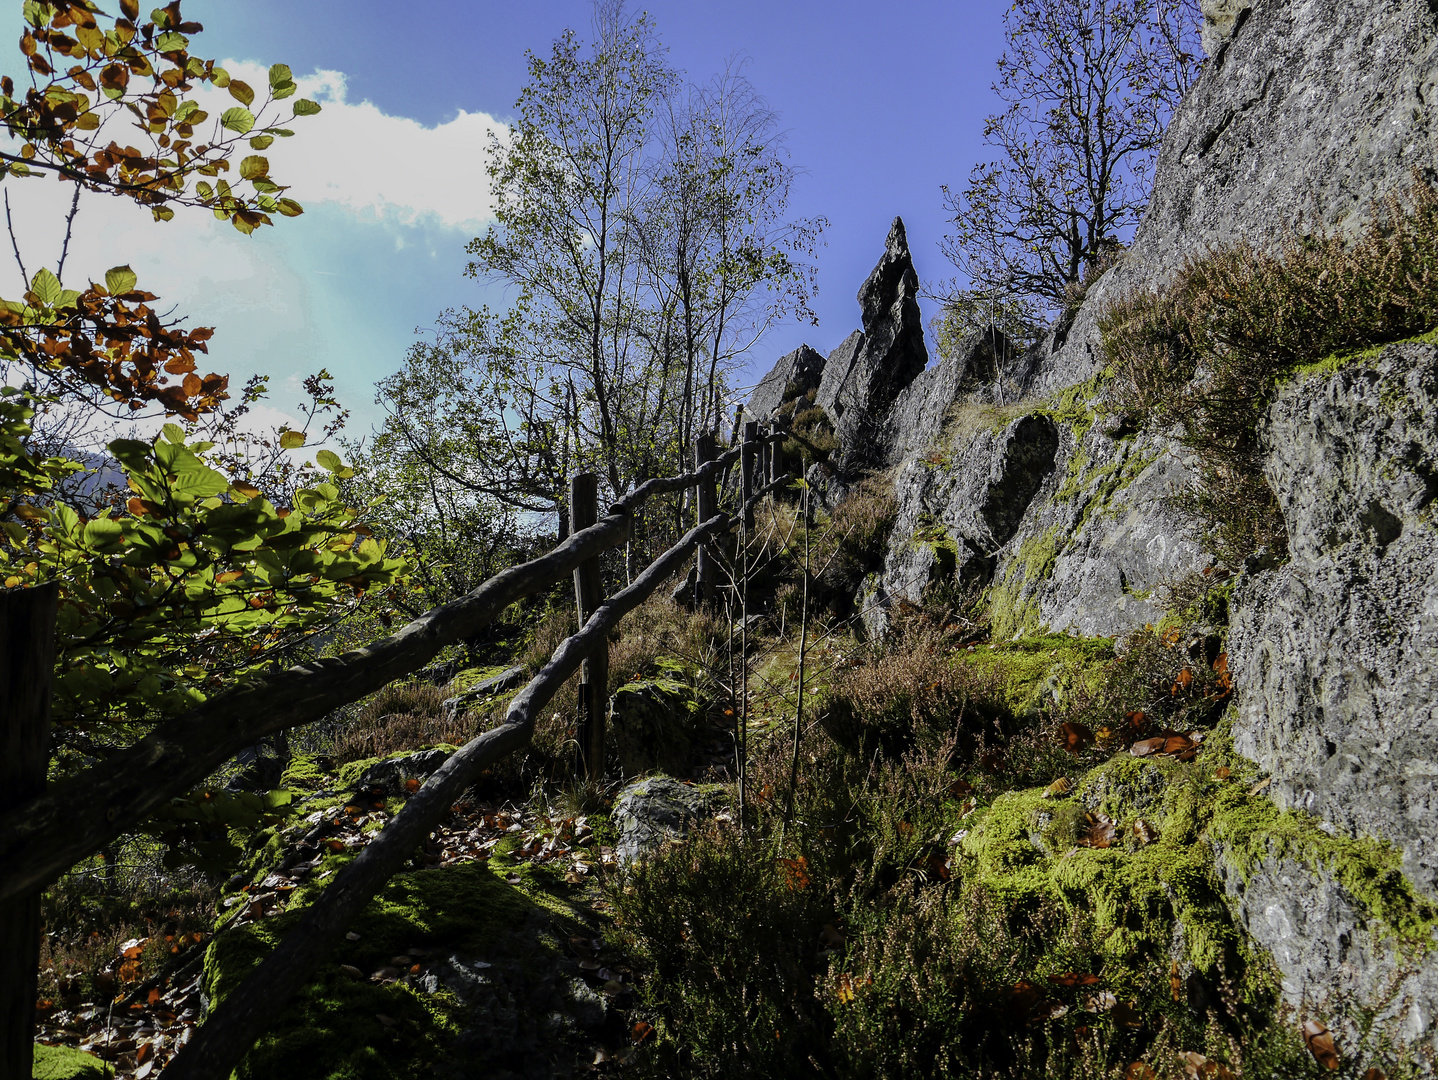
369	162
341	287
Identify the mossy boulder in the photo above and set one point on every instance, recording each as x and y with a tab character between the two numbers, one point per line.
653	724
66	1063
494	993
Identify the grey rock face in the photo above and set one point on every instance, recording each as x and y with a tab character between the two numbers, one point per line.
651	811
1312	114
955	517
1220	21
802	369
919	412
864	375
1328	956
1336	653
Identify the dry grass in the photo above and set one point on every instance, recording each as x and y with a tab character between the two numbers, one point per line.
114	899
1208	353
402	716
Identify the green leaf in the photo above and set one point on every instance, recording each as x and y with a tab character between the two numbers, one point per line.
46	286
172	42
306	107
280	74
261	142
283	91
254	166
119	279
290	208
238	120
328	459
289	440
186	110
220	77
102	532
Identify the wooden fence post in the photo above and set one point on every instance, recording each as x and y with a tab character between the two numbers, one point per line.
706	499
588	595
746	470
27	665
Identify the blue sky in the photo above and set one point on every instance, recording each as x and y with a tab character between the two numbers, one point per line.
881	106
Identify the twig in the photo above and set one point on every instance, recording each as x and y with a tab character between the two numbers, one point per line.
69	225
803	637
15	244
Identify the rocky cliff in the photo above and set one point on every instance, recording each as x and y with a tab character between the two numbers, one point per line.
1014	478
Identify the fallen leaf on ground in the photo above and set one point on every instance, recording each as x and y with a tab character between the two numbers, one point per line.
1145	747
1071	979
1075	736
1320	1044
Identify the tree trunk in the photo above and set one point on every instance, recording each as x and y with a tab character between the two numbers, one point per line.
27	665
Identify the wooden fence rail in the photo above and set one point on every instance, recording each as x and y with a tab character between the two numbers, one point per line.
44	836
260	999
43	833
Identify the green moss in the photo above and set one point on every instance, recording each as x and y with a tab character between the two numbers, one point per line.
65	1063
1041	671
1343	358
1013	610
1023	851
473	676
331	1029
303	773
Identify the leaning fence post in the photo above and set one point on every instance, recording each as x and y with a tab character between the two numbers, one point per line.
588	595
707	502
27	665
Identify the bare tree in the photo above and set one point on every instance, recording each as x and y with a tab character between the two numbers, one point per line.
1090	85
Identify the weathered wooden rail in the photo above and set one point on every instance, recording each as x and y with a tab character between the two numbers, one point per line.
43	833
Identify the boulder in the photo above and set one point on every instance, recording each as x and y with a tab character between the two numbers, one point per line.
392	774
794	375
481	692
652	727
652	811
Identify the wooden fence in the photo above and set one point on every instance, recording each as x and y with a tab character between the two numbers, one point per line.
45	832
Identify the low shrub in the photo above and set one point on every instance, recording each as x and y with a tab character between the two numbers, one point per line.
1207	353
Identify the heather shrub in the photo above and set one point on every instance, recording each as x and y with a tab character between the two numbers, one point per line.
1207	354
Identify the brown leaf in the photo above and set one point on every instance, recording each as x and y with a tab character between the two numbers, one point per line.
1145	747
1099	834
1071	979
1320	1044
1075	736
1125	1015
1144	833
1176	744
1175	981
1138	1070
1375	1073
